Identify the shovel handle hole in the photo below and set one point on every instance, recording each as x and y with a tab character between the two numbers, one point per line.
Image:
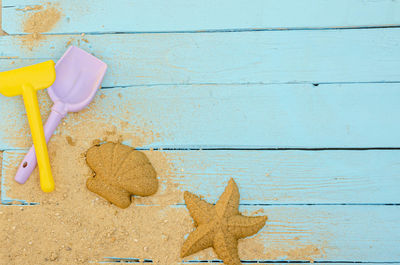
25	164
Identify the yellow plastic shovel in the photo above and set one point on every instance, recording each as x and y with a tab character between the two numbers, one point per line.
26	81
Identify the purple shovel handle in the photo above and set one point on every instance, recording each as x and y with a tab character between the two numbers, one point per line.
29	163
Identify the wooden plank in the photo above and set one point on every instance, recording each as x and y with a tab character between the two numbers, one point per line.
228	116
1	170
265	177
190	15
334	233
315	56
322	232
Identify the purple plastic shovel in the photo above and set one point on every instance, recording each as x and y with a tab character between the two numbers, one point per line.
78	77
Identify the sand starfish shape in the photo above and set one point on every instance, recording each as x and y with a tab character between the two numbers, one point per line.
219	226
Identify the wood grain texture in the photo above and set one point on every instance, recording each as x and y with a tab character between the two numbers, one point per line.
316	56
340	232
190	15
230	116
230	77
265	177
336	234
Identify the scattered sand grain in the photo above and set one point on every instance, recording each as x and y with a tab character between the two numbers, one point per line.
39	22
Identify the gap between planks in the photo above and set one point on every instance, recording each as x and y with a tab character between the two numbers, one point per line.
212	31
115	260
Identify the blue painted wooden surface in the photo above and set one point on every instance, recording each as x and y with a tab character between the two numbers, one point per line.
225	88
266	177
234	116
344	232
313	56
190	15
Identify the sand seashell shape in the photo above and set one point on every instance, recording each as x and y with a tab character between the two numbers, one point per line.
120	172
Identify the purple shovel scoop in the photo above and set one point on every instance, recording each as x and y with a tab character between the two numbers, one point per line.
78	77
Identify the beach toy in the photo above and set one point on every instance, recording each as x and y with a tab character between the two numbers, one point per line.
79	75
26	81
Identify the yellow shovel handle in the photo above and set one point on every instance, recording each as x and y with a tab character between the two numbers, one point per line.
39	141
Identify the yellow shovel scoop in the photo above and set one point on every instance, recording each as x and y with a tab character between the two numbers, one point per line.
26	81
